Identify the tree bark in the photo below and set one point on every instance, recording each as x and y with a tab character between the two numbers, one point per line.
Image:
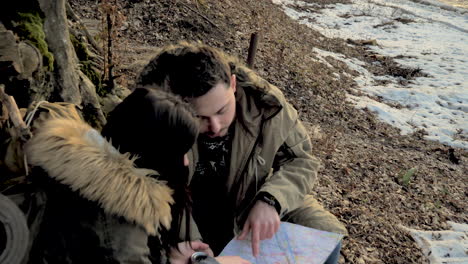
57	35
72	85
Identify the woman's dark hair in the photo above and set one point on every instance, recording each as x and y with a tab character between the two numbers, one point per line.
159	128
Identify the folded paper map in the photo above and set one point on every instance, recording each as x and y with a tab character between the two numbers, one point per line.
292	244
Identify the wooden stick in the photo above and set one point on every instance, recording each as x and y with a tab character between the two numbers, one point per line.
252	49
14	113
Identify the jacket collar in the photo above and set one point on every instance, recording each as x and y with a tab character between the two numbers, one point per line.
255	99
76	155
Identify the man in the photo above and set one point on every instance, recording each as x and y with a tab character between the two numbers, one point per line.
253	163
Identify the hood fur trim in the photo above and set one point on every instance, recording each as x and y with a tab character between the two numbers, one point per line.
76	155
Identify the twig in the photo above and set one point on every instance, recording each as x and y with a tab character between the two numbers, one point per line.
201	15
83	27
14	113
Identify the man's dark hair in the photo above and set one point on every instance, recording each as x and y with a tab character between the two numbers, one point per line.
187	69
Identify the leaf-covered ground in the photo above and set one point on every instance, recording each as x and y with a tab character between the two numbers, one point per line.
365	180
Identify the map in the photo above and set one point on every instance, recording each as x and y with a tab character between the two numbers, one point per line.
292	244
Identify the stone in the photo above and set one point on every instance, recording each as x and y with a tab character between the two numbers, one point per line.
10	60
109	102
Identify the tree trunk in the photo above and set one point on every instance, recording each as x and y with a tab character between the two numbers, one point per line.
65	81
72	85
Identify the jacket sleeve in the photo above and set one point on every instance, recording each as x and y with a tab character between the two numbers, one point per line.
294	170
194	233
76	230
127	242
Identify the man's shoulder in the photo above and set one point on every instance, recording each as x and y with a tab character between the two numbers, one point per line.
258	89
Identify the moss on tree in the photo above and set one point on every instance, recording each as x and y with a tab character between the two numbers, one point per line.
29	27
86	65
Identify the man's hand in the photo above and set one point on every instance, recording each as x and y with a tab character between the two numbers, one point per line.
186	249
263	221
232	260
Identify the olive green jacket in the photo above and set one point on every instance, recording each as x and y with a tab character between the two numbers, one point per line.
271	150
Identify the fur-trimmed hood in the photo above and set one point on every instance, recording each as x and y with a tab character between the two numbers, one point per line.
76	155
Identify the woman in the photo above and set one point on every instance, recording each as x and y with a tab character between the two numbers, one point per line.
159	129
134	126
102	206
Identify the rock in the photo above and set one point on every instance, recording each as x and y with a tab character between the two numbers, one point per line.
10	60
371	42
121	92
109	102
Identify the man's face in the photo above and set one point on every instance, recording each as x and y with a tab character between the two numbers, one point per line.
216	109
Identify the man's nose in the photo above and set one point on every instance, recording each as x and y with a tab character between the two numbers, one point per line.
215	125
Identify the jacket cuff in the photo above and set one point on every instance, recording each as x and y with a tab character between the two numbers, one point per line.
270	200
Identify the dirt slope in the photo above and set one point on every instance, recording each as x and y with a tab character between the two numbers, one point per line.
364	160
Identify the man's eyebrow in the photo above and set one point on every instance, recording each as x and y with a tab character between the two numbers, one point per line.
217	112
222	108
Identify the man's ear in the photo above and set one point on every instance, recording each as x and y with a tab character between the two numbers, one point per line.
233	82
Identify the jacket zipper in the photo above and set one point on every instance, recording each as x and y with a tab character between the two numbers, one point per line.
258	139
253	151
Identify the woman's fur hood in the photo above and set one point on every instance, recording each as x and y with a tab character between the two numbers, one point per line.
76	155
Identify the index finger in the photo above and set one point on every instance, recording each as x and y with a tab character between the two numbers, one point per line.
198	245
255	240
